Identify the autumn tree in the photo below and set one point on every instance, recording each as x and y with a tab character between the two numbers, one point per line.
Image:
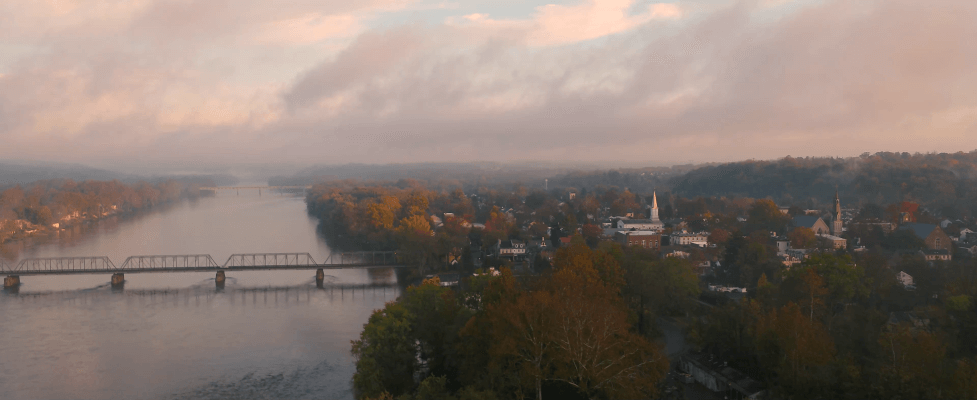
802	238
795	346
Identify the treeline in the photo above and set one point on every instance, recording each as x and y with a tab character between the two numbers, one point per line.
840	327
577	332
37	207
401	215
431	174
943	183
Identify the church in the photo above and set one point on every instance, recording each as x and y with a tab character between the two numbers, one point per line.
653	223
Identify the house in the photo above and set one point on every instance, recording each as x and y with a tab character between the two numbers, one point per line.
685	239
643	239
834	241
677	253
789	260
782	245
511	248
964	233
931	234
935	254
720	377
640	224
811	222
906	280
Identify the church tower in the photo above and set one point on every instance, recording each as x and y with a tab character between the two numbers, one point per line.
654	207
837	228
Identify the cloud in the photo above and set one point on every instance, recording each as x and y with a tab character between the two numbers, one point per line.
555	24
309	28
850	76
590	81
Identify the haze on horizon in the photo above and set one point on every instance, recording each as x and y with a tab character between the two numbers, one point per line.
117	84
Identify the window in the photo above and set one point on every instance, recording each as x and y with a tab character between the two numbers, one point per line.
937	242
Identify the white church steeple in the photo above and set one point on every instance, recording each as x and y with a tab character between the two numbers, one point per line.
654	207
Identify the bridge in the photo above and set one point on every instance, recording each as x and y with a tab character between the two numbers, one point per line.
196	263
237	189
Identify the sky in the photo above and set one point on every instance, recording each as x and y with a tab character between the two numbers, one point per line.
166	83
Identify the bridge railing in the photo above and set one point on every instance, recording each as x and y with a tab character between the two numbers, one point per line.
191	262
269	259
65	264
170	262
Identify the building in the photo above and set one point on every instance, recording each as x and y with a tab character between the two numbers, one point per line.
678	254
935	254
906	280
511	248
834	241
837	227
931	234
685	239
643	239
640	224
789	260
811	222
719	377
653	223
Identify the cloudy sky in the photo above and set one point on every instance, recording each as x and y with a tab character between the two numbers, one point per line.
123	82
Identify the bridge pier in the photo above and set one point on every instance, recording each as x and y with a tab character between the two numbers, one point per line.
320	276
118	280
11	281
219	279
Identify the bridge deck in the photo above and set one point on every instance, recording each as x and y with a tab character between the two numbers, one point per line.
199	263
199	269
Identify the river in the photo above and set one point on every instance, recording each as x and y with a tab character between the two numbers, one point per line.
267	334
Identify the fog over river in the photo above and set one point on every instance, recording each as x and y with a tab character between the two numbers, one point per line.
267	334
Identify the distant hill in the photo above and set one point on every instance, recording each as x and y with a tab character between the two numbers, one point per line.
530	174
26	172
22	173
941	182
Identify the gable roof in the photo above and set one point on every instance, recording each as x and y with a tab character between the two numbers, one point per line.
806	221
923	231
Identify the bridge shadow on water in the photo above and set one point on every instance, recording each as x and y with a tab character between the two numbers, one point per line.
206	295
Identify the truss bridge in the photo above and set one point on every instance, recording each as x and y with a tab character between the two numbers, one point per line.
195	263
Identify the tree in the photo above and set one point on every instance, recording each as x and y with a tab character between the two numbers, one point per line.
794	345
522	337
386	356
718	236
764	214
914	362
802	238
437	317
384	212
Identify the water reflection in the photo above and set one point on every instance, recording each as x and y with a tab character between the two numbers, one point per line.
195	342
267	334
276	296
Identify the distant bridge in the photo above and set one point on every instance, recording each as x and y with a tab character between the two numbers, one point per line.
259	188
196	263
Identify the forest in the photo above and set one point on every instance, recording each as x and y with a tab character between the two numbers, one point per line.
579	331
54	204
837	325
944	183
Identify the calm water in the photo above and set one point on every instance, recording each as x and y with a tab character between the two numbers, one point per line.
268	334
